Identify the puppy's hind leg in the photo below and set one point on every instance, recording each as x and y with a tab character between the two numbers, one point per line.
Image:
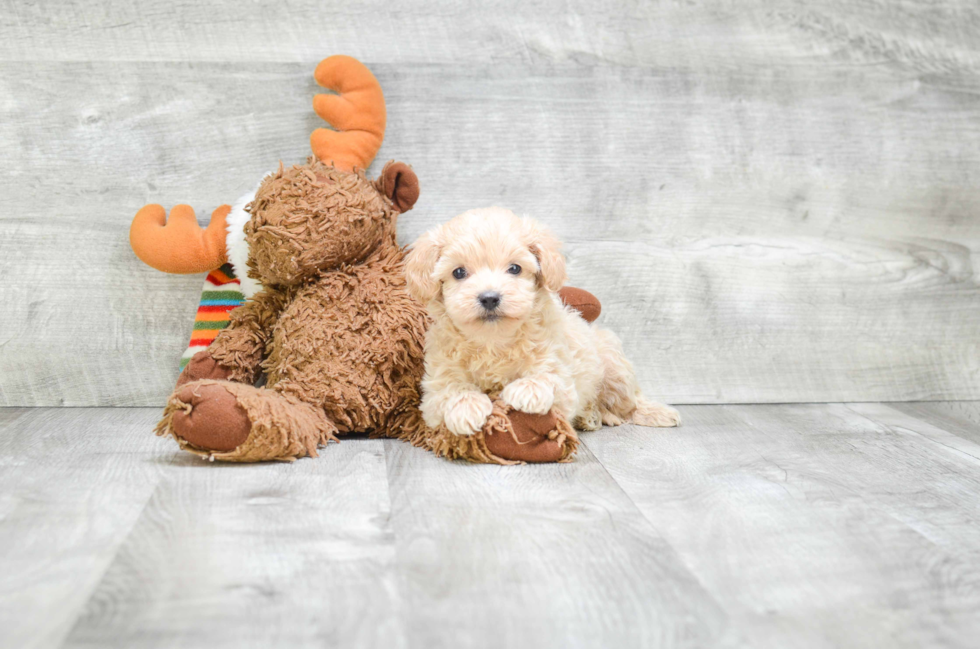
649	413
589	419
620	400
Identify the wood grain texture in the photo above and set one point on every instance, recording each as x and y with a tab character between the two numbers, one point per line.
803	526
775	201
544	556
265	555
958	417
72	485
938	37
815	525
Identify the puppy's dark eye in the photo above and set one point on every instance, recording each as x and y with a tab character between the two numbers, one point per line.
459	273
514	269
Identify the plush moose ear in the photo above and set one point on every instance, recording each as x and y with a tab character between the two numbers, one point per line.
400	184
420	266
547	250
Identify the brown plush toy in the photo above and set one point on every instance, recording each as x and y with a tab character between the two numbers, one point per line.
333	327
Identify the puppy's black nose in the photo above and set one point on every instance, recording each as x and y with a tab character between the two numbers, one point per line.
489	300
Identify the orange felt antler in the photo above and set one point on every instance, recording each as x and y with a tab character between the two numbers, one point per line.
357	112
179	245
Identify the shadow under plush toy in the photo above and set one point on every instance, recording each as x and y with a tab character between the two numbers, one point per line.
328	319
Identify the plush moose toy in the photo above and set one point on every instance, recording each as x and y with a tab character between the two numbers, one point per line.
330	323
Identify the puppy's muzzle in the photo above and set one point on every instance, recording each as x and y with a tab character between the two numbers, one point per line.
489	300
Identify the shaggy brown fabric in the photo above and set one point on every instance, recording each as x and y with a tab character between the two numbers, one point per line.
248	334
282	428
335	330
337	334
313	218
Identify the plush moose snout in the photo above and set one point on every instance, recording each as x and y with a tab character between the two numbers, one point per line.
314	218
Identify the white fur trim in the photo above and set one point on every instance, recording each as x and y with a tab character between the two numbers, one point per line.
236	245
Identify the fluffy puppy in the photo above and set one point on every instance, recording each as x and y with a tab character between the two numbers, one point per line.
490	280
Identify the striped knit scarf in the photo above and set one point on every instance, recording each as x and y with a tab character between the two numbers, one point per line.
221	293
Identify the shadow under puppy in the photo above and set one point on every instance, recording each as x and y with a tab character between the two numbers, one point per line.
490	280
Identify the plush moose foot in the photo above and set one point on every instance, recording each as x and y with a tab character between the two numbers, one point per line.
213	421
524	437
233	422
509	437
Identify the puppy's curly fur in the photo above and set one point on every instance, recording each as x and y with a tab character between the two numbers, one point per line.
490	280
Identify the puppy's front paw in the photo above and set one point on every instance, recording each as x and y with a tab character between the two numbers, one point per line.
467	412
531	395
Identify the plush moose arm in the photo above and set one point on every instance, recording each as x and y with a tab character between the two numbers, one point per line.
237	352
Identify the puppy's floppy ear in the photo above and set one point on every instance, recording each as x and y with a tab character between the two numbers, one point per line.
420	266
400	184
547	250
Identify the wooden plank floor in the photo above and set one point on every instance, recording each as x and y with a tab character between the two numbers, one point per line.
759	526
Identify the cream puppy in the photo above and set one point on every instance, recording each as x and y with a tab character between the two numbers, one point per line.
490	280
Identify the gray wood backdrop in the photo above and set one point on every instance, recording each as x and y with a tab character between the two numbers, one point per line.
776	200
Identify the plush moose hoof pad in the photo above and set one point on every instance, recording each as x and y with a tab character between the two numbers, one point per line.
533	439
214	422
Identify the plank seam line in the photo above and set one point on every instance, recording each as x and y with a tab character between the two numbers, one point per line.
112	560
687	568
970	457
